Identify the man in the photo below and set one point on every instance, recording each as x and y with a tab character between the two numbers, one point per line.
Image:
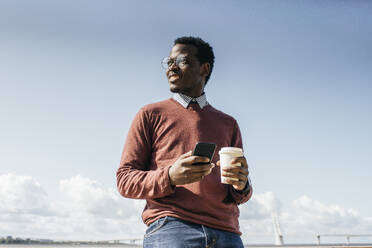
186	204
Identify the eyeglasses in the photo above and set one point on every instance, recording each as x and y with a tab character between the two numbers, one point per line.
181	61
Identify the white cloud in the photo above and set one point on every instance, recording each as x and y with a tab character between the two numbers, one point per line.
22	195
327	215
260	206
86	196
87	210
300	222
255	217
318	217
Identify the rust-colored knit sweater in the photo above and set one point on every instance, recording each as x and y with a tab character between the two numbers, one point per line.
159	134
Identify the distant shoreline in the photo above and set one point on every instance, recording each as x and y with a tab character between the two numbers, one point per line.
122	245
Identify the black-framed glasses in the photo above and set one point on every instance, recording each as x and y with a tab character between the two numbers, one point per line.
180	61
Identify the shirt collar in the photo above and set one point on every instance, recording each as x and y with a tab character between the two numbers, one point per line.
185	100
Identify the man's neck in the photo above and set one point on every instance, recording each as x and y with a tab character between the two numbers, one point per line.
195	92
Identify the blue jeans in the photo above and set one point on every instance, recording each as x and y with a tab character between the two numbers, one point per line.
176	233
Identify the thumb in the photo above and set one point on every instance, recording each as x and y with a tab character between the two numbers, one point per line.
218	163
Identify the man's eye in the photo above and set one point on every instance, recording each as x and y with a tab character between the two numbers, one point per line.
169	62
182	62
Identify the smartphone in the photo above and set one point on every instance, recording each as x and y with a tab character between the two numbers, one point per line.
204	149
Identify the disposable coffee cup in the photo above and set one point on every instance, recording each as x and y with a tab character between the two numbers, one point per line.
226	155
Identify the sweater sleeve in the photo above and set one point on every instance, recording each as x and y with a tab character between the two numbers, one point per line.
134	177
243	196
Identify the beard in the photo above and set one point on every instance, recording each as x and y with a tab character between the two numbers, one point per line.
185	90
175	90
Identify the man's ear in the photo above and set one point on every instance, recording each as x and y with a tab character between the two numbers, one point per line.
205	69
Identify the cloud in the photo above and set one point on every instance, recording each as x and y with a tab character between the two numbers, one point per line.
87	210
300	221
314	210
83	195
256	217
261	206
318	217
98	211
22	195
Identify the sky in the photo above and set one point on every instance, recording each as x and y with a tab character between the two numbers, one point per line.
296	75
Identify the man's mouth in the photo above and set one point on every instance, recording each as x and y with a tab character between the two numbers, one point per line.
173	77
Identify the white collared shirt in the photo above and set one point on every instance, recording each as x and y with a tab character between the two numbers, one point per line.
185	100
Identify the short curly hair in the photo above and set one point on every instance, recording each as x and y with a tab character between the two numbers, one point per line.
205	51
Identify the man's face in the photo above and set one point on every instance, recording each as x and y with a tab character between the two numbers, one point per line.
186	77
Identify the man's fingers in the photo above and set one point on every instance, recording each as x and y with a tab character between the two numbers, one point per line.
236	170
241	160
199	168
195	159
194	177
237	184
237	177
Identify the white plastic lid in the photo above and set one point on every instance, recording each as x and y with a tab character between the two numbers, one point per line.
235	150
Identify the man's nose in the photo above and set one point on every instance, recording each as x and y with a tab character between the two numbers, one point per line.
173	67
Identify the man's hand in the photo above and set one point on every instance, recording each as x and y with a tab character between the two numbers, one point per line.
236	175
184	172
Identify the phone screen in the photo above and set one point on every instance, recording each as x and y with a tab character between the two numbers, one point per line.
204	149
